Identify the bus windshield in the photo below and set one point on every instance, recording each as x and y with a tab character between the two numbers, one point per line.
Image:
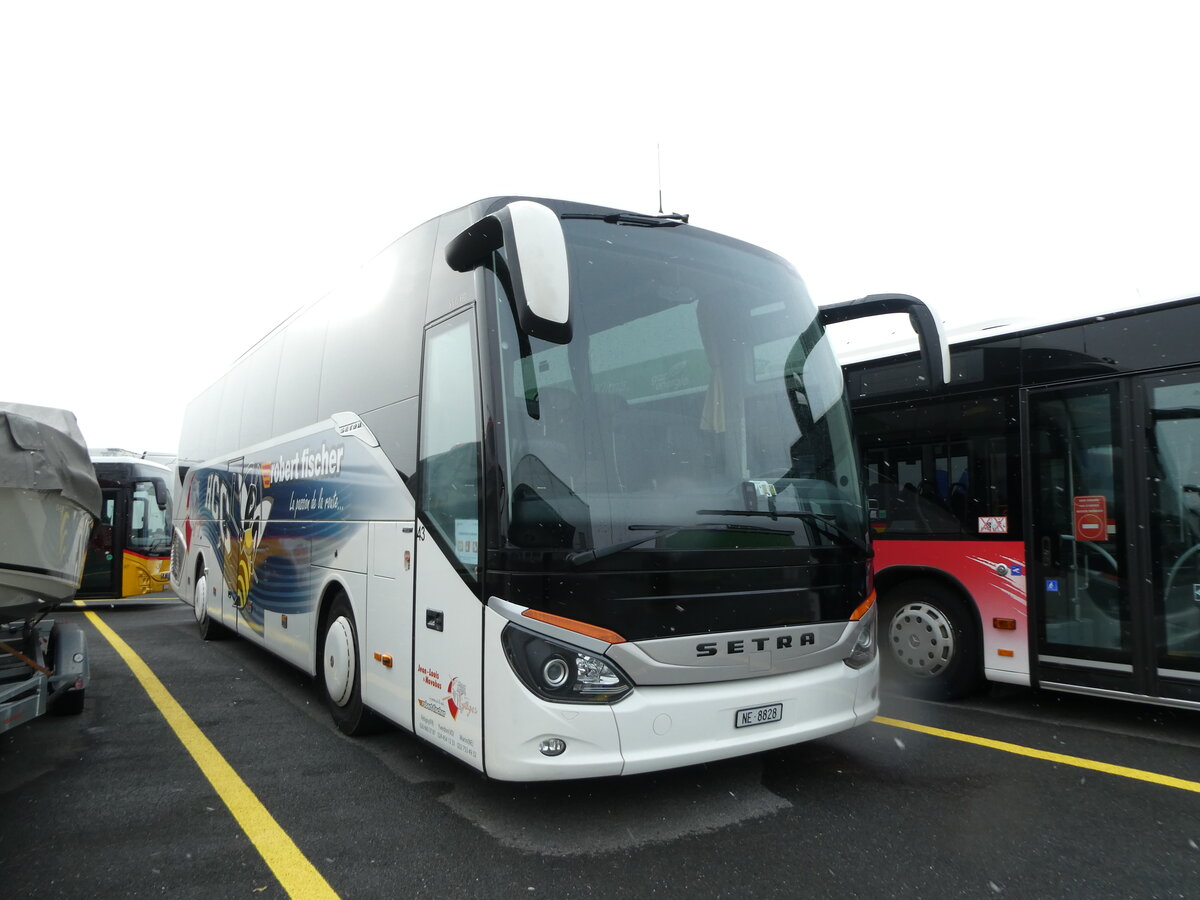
697	407
148	522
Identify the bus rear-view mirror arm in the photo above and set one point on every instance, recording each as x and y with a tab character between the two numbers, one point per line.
935	352
536	251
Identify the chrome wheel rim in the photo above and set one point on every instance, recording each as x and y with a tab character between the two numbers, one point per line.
922	639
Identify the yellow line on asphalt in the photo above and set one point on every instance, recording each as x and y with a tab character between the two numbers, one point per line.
298	876
1123	771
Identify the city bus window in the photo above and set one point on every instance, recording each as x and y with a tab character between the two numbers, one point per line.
944	468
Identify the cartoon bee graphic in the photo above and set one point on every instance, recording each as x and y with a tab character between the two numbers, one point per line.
242	535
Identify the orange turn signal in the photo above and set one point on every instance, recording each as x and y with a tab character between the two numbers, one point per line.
592	631
863	608
1005	624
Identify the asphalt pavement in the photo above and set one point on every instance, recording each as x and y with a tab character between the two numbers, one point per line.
111	804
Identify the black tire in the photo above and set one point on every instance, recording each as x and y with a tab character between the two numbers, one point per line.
67	703
929	641
340	670
210	629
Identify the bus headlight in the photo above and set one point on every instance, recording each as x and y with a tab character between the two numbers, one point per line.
561	672
867	645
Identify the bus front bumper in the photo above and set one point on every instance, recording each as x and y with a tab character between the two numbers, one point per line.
668	726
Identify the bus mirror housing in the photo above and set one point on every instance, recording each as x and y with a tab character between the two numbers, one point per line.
935	352
536	275
161	497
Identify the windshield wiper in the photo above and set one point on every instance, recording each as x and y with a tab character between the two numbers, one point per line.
823	523
662	220
583	557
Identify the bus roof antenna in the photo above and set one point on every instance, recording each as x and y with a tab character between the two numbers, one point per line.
677	217
659	149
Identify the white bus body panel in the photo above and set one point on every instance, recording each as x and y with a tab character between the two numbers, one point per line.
290	637
447	662
667	726
512	738
387	670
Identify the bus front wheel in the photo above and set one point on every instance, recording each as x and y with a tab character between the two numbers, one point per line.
931	645
341	671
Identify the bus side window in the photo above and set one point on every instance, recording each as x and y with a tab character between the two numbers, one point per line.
449	469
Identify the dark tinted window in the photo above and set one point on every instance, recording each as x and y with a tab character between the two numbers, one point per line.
945	467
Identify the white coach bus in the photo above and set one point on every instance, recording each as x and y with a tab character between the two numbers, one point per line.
566	491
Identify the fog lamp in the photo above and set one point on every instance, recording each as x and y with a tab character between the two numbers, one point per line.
552	746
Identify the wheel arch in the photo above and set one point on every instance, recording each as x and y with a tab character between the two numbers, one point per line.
197	570
896	576
330	591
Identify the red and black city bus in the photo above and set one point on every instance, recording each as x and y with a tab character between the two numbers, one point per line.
1038	521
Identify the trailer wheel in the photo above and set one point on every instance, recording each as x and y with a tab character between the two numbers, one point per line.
210	628
341	671
931	646
68	703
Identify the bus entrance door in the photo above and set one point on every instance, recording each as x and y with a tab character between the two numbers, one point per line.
102	565
1087	628
1173	475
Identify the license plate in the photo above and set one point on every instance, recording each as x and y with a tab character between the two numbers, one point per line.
758	715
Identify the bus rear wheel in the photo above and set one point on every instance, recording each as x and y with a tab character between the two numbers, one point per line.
931	644
341	671
210	628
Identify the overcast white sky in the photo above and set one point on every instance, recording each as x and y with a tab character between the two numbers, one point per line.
177	179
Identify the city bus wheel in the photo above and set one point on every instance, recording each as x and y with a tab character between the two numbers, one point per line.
341	671
930	645
210	628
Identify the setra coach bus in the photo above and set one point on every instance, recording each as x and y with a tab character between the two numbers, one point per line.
564	490
1038	522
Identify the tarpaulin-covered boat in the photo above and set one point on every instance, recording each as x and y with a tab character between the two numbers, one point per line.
48	500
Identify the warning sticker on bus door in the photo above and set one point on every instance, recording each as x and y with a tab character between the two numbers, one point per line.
1091	518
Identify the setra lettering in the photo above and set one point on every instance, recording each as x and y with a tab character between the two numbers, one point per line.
757	644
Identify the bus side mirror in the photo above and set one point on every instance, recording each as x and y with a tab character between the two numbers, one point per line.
161	497
536	275
935	352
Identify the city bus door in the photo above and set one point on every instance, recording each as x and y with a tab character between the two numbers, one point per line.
1172	473
1087	618
102	565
